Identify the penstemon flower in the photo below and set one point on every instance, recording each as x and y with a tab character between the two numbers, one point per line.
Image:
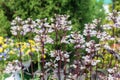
62	52
90	30
77	39
13	67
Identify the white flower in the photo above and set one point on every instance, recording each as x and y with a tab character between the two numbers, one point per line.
37	38
88	50
76	38
86	32
18	19
26	28
93	33
82	67
47	25
12	68
71	41
105	36
77	46
38	20
73	77
106	46
61	23
107	26
52	54
88	44
57	58
49	40
69	28
13	23
14	27
74	66
97	47
55	65
50	30
47	63
94	62
86	57
98	35
40	31
14	33
66	55
64	40
117	25
110	77
68	60
110	70
96	21
112	38
14	76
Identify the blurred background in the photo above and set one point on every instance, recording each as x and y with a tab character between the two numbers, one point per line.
80	11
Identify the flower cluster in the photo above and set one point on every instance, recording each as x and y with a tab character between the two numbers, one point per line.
13	67
77	39
89	30
61	53
115	18
91	47
21	27
113	74
4	48
58	54
61	23
89	61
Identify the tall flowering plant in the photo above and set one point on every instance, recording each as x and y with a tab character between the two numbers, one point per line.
64	54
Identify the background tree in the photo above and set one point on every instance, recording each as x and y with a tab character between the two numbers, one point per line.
80	11
117	5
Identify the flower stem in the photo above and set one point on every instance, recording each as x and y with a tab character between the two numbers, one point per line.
59	67
31	61
22	72
43	60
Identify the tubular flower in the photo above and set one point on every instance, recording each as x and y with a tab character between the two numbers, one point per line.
33	49
1	49
11	52
31	42
4	46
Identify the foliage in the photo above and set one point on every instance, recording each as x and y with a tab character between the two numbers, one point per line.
117	5
4	24
80	11
55	51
